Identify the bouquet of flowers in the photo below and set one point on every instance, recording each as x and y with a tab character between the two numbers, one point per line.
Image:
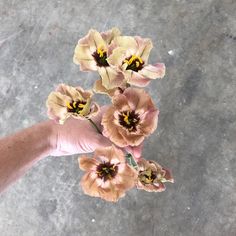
122	64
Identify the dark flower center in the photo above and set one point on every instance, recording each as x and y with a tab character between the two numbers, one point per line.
107	171
75	106
129	120
135	63
100	56
147	176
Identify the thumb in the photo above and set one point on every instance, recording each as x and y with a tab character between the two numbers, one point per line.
101	141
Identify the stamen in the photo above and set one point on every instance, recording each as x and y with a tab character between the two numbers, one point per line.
68	105
134	63
133	58
81	105
100	52
129	120
106	171
100	56
76	106
126	118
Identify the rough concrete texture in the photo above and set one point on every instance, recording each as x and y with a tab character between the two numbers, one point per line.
196	137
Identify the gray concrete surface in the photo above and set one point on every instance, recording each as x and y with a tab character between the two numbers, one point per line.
196	137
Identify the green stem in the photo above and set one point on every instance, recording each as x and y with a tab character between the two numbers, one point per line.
95	126
131	161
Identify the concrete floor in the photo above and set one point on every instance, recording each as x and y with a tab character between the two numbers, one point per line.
196	137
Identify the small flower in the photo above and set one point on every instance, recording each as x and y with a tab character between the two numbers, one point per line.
69	101
130	56
91	54
131	118
107	175
152	176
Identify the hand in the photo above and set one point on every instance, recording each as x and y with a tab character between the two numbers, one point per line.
78	136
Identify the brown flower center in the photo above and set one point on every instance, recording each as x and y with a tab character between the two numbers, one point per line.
100	55
135	63
75	106
106	171
147	176
129	120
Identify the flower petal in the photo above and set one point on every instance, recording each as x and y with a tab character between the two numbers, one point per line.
153	71
89	184
138	99
87	163
99	88
110	129
158	187
83	57
109	35
112	194
149	123
95	40
69	91
117	57
168	176
144	47
134	78
111	154
56	104
126	42
110	77
120	102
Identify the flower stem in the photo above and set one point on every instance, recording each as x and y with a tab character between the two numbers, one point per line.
95	126
131	161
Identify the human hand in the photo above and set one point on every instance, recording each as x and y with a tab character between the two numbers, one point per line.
80	136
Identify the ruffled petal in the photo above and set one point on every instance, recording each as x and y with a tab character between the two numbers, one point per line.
111	194
109	35
110	129
144	47
168	176
56	104
87	163
134	78
95	40
99	88
149	122
89	184
111	154
126	42
117	57
69	91
110	77
153	71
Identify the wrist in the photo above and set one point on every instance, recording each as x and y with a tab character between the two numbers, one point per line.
52	134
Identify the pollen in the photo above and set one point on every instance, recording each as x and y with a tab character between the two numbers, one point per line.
81	105
126	118
134	63
68	105
135	58
106	171
75	106
129	120
100	52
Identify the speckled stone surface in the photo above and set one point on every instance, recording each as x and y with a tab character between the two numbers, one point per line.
196	137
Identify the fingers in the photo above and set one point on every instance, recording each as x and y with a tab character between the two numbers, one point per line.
101	141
